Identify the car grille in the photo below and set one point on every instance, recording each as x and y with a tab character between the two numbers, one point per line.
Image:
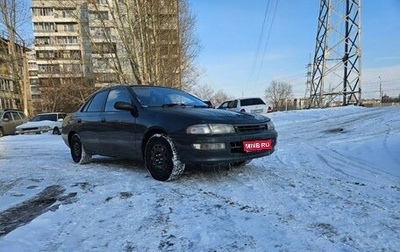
27	129
251	128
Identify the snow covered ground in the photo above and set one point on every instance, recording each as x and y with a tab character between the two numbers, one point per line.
332	185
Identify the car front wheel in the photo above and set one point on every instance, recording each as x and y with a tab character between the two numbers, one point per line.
78	151
162	159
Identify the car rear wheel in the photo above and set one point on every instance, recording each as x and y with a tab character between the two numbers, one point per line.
162	159
56	131
78	151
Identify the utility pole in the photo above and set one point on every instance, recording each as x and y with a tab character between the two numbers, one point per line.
337	58
380	91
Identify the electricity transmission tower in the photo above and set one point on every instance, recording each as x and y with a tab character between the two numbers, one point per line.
336	69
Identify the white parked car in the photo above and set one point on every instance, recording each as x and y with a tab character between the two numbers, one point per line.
247	105
42	123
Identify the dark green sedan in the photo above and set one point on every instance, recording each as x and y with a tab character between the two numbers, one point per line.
166	128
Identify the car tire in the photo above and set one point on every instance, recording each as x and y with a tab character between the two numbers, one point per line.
1	133
56	131
162	159
78	151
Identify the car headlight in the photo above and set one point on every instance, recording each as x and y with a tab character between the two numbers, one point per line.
44	127
203	129
270	125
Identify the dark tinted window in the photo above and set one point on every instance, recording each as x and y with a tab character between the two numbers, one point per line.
159	96
114	96
8	116
223	105
251	101
45	117
232	104
61	116
97	102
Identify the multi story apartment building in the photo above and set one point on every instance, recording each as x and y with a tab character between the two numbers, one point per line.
13	81
81	41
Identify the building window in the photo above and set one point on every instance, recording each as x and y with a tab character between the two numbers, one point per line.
49	68
69	40
67	13
44	26
101	15
46	54
42	41
42	12
69	27
104	48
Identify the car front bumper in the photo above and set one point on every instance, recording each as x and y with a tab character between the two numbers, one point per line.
232	152
33	130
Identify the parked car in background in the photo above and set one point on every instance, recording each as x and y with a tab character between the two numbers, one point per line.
9	120
248	105
166	128
43	123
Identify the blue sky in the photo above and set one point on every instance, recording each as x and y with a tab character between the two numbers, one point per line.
230	35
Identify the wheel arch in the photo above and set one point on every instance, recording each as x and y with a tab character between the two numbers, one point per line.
148	135
70	134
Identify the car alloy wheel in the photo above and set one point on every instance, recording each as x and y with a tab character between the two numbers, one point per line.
78	152
161	158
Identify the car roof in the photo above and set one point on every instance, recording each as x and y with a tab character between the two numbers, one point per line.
50	113
16	110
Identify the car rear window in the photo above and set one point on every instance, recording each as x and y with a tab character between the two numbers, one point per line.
251	101
48	117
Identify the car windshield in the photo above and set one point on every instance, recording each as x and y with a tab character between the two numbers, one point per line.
166	97
49	117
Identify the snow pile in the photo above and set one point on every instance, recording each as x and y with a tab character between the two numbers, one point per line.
332	185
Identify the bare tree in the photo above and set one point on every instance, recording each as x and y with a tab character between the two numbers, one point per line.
207	93
62	94
143	41
13	16
204	92
220	96
278	92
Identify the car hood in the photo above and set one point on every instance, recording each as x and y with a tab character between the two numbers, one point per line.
209	115
38	124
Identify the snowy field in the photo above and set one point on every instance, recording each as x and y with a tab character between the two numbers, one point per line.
333	184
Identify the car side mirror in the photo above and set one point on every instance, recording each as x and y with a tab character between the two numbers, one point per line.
6	119
127	107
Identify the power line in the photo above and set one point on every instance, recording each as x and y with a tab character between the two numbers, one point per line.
267	41
260	39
